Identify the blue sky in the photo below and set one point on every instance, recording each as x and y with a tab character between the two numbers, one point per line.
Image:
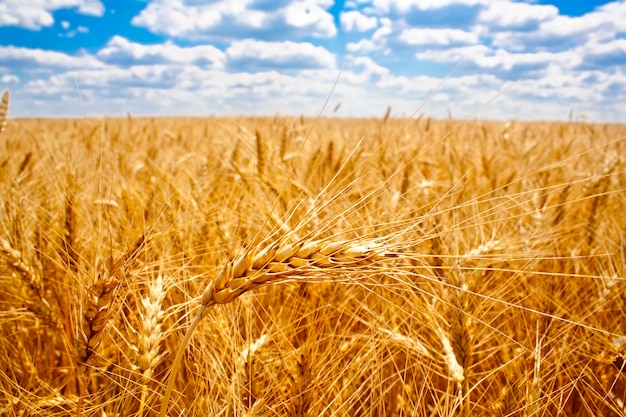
538	59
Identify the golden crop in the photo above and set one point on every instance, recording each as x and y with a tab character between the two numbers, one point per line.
333	267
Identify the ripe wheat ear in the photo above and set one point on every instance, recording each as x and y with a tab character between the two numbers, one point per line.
309	259
4	110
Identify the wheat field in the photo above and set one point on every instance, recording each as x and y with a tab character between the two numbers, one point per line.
312	267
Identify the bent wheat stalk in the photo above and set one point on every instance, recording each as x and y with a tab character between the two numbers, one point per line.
278	263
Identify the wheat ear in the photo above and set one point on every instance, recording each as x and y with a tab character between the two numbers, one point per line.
150	337
278	263
4	110
99	299
96	316
26	271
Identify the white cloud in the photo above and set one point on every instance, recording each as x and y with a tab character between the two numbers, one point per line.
611	47
175	19
90	7
460	54
602	24
365	89
40	59
157	76
355	4
609	19
24	17
404	6
427	36
562	86
189	90
121	50
226	19
65	24
607	55
363	46
385	29
377	41
483	57
355	20
309	14
10	78
251	54
368	69
36	14
506	14
72	33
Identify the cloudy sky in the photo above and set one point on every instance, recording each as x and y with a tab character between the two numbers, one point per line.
508	59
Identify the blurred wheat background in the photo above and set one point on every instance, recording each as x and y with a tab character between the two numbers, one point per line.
343	267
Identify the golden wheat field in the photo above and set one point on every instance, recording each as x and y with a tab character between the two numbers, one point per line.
312	267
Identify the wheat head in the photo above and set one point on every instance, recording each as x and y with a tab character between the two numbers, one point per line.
4	110
281	262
